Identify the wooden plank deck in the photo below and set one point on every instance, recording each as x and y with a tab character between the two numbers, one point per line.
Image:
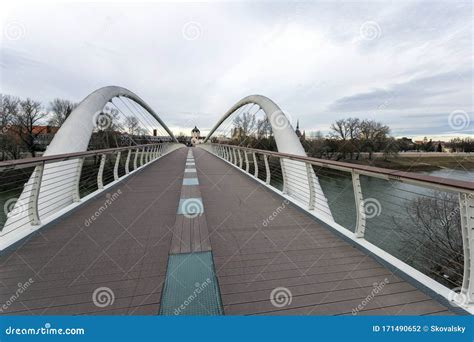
254	255
126	249
190	233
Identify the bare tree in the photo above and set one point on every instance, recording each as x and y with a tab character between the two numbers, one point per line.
373	136
353	127
245	124
340	129
347	132
9	108
132	124
26	123
264	128
433	223
60	110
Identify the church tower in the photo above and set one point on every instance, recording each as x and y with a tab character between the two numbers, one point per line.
195	134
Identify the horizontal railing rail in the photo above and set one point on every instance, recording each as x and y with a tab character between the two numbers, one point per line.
434	215
27	162
366	170
34	191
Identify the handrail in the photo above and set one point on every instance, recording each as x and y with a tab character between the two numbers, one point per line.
308	195
27	162
367	170
54	185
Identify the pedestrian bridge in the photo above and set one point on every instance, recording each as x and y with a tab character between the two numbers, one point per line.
215	229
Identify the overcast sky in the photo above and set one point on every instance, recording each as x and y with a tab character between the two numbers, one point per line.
407	64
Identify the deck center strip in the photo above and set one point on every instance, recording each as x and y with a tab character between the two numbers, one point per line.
190	284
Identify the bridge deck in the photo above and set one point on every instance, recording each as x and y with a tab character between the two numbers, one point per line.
126	249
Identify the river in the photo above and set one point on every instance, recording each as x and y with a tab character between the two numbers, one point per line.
389	227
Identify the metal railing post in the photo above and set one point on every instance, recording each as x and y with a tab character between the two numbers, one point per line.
142	154
240	158
283	175
33	212
76	195
234	155
152	153
100	173
255	164
312	191
127	161
116	166
267	169
247	166
466	206
359	201
135	160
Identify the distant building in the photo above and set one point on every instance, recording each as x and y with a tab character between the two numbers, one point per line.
406	144
298	132
195	136
42	134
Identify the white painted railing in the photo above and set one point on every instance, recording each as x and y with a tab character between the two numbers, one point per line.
275	170
58	183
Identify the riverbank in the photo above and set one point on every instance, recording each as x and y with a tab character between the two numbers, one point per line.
420	163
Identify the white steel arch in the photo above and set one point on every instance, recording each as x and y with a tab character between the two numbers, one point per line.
75	133
73	136
287	142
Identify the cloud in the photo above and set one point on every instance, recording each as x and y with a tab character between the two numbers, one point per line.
416	93
308	57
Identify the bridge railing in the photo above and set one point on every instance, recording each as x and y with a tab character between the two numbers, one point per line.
35	191
422	225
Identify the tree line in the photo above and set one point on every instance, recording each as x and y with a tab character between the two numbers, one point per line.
22	121
348	138
27	126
